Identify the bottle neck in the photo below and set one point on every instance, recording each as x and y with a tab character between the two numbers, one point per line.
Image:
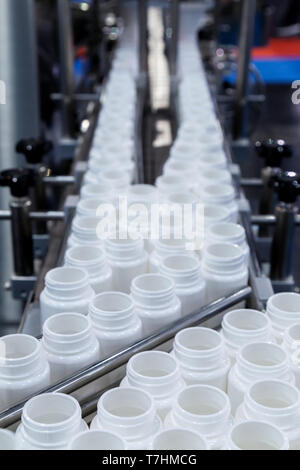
21	356
188	277
51	420
111	310
243	326
257	361
260	399
199	349
133	413
153	291
124	250
224	258
155	372
91	259
67	283
66	334
212	410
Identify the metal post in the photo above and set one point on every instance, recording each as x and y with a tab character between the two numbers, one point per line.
174	17
142	21
282	245
66	66
19	115
245	44
22	236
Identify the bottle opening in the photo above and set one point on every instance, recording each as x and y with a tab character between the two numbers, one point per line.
264	354
289	302
97	440
17	346
153	364
246	319
181	262
112	302
179	439
126	402
51	409
67	324
257	436
198	339
152	283
66	275
202	400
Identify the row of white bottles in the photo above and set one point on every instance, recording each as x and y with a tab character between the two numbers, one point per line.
160	390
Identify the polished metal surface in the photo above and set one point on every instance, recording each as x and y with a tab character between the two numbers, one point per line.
240	123
174	35
19	117
9	417
66	53
282	245
21	230
142	22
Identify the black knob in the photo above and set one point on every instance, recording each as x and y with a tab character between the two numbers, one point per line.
273	151
18	180
34	149
287	185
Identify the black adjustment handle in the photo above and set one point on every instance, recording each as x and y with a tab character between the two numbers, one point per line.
273	151
287	185
18	180
34	149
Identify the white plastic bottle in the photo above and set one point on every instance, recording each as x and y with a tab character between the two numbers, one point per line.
244	326
256	435
69	344
66	290
49	422
228	233
291	344
257	361
155	301
213	175
275	402
97	440
185	270
201	356
157	373
23	369
90	207
114	321
127	259
283	309
130	413
215	214
170	184
224	270
147	196
117	178
162	248
92	190
7	440
204	409
93	260
222	195
84	232
179	439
